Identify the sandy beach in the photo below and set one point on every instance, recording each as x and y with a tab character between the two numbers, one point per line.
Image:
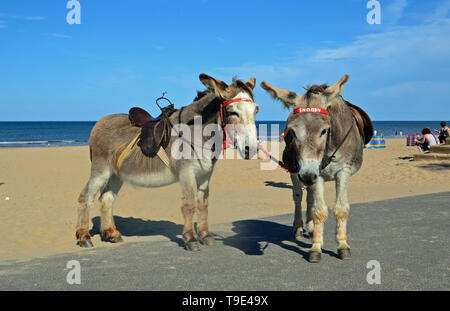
39	189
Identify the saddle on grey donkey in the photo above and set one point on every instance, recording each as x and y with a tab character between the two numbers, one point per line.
155	132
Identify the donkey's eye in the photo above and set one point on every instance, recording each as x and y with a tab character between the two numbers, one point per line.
323	132
233	114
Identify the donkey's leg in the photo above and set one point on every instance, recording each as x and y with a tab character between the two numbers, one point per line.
309	209
202	212
189	190
341	211
319	214
297	194
97	181
107	198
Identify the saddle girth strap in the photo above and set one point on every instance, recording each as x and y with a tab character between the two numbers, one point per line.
126	152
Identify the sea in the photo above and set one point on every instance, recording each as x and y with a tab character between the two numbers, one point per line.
45	134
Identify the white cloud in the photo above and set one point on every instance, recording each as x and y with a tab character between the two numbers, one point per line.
393	12
22	17
252	69
221	40
401	65
442	11
158	47
57	35
417	88
410	100
5	17
28	18
395	49
427	40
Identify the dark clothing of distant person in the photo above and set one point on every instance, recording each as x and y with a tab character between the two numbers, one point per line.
444	133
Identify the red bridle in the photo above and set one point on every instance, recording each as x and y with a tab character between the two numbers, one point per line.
222	106
314	110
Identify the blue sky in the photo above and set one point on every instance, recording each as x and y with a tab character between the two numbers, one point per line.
126	53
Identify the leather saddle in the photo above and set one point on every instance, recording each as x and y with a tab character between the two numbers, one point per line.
365	126
155	132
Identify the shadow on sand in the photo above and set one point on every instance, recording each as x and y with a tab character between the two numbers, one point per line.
130	226
406	158
254	236
274	184
436	166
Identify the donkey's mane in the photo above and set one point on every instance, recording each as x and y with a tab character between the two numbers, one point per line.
201	94
315	89
205	103
363	121
236	86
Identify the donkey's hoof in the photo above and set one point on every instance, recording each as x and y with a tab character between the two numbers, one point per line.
192	246
315	256
86	244
344	254
116	240
209	240
298	234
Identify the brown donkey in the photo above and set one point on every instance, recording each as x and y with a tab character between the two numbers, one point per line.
113	134
324	142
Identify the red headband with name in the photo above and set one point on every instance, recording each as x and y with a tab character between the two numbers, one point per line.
315	110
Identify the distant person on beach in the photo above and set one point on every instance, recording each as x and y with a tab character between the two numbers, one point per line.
427	140
375	133
401	134
444	133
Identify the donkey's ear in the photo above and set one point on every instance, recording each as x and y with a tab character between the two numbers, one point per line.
251	83
336	89
288	98
220	88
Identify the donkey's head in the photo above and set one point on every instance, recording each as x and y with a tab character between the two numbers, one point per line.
238	110
308	126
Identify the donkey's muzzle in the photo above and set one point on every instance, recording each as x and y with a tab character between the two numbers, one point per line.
308	179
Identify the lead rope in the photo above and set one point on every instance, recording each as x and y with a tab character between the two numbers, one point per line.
328	160
280	163
324	164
